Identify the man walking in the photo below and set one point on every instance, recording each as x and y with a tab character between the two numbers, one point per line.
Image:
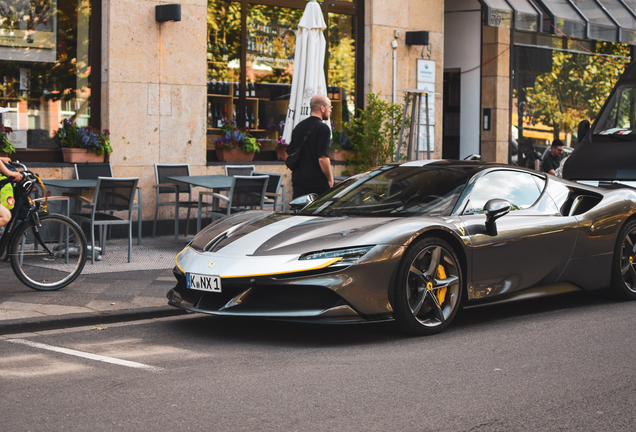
312	136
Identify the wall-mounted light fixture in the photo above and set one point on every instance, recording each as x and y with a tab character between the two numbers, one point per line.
168	12
416	38
487	118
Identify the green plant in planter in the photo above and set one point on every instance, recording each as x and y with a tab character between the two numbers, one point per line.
374	133
6	146
89	138
236	137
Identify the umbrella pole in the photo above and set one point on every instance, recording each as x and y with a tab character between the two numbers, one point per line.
406	107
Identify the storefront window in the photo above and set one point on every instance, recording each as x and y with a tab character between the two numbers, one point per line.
259	99
224	61
271	46
342	67
555	89
44	68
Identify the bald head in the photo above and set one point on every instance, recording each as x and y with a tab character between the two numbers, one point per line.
320	106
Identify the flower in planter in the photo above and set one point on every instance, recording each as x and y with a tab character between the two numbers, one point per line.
6	145
89	138
236	137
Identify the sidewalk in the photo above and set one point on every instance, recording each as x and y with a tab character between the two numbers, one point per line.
111	290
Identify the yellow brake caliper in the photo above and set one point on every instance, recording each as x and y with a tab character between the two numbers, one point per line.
441	293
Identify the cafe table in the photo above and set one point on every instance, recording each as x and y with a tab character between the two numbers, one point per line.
214	182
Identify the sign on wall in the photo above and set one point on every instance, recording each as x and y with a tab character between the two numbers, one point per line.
426	81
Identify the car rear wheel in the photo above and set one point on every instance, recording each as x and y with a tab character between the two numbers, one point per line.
624	263
428	287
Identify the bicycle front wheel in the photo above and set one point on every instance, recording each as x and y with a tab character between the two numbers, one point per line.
51	256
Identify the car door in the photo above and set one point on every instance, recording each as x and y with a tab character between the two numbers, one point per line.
533	243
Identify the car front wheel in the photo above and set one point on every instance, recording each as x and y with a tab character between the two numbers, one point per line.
428	287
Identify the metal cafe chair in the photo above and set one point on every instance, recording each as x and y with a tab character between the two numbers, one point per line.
174	189
241	170
273	197
92	171
111	195
246	192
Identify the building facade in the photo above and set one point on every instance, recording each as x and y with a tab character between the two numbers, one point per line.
162	89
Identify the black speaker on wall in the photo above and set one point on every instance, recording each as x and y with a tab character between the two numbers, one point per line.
417	38
168	12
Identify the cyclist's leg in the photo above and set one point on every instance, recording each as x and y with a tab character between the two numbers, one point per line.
5	216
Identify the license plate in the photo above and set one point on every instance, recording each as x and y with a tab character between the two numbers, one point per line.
203	282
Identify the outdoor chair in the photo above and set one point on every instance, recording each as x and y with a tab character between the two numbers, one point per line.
273	197
246	192
174	189
241	170
92	171
111	195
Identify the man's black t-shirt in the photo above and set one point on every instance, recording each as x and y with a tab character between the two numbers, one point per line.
551	162
309	177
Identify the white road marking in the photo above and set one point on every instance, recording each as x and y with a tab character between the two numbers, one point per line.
87	355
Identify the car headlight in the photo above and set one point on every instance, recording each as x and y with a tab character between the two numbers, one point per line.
347	256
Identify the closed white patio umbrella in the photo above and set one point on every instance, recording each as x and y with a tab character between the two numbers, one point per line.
309	67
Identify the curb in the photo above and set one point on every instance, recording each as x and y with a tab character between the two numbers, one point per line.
29	325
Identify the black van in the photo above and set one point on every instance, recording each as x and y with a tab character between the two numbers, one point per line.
608	150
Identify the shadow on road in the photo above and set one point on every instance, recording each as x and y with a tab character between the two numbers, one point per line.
267	332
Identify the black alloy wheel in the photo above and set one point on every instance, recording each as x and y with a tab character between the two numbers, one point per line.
624	263
428	287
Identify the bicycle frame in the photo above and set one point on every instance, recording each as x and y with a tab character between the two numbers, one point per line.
17	227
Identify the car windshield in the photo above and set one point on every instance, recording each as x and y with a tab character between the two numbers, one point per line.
394	191
619	116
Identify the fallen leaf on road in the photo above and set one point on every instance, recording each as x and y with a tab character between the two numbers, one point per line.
99	328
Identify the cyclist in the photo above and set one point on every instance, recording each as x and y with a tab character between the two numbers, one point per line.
5	214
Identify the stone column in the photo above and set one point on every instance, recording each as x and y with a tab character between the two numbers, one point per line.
495	94
382	19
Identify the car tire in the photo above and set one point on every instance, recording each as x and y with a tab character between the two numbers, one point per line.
428	287
623	283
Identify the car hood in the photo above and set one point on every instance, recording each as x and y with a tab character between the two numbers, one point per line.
264	233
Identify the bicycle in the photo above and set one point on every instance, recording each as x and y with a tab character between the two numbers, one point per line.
47	251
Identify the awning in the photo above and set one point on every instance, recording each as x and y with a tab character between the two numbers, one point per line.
517	14
606	20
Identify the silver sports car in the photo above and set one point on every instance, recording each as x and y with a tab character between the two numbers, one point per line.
413	242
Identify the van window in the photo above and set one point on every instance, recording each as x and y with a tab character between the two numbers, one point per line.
619	116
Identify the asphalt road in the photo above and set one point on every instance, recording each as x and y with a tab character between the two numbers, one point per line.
559	363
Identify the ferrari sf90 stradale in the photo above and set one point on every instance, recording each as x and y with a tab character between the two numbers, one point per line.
413	242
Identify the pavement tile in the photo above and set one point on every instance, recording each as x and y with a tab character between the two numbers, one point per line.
107	292
62	310
15	314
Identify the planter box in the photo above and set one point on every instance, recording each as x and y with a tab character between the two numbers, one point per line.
340	155
235	154
78	155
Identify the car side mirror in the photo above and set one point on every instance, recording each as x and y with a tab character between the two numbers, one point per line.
494	209
301	202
